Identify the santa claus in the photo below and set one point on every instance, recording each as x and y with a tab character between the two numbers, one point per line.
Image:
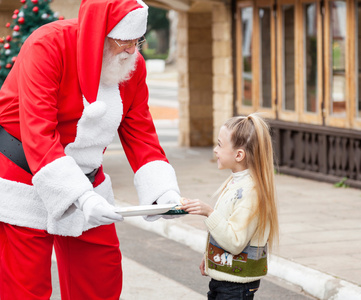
75	84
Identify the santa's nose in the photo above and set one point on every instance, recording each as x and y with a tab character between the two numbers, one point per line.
131	49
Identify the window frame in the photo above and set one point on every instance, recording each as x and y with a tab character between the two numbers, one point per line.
262	5
239	53
256	64
355	89
331	120
304	116
324	67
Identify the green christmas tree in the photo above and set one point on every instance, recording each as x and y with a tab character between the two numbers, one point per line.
31	15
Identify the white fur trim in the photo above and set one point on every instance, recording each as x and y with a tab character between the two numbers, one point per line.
49	204
132	26
96	128
72	222
155	179
105	190
59	184
22	206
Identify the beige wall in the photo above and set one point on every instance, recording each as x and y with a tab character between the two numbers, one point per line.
7	8
205	74
195	79
183	78
222	67
67	8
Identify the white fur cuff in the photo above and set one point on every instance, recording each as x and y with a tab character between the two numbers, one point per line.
59	184
155	179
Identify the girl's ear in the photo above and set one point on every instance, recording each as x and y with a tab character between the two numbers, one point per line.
241	154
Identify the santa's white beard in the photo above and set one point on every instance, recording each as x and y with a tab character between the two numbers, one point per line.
117	68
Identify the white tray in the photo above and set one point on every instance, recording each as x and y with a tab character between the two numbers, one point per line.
144	210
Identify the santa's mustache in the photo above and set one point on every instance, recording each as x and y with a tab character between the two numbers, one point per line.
117	68
124	55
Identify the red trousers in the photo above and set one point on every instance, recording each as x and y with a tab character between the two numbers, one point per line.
89	266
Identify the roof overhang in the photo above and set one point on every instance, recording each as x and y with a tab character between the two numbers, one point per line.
182	5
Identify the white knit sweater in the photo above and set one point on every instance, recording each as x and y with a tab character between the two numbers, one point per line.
235	252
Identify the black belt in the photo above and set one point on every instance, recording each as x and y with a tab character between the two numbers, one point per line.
91	175
12	148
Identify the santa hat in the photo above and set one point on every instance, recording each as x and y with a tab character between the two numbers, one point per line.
119	19
132	26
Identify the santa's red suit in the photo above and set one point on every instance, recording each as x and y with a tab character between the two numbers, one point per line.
53	103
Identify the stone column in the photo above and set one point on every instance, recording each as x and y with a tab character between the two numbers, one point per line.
195	79
183	81
222	67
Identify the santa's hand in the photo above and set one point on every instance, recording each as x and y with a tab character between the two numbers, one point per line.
97	210
170	197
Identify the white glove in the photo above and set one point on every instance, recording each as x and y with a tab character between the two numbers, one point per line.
167	198
170	197
97	210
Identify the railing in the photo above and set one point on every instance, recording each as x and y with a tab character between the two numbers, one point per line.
318	152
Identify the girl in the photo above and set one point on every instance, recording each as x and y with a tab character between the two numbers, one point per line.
244	219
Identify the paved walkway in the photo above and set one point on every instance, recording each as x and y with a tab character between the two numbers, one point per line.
320	225
320	243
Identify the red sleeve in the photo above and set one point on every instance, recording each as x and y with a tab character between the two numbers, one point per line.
137	132
39	74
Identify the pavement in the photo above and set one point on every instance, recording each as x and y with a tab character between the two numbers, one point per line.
320	225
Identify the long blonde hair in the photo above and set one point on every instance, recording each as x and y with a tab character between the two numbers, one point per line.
252	134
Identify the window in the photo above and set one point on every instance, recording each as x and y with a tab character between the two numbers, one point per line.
288	26
338	51
310	61
358	44
247	33
265	56
300	60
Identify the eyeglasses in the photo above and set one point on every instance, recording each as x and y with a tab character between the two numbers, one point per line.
137	43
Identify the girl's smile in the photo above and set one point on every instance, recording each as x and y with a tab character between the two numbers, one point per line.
227	156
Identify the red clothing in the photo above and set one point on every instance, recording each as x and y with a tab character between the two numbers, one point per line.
53	102
42	109
89	266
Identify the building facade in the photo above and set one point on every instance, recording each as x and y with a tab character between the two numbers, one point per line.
295	61
298	62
